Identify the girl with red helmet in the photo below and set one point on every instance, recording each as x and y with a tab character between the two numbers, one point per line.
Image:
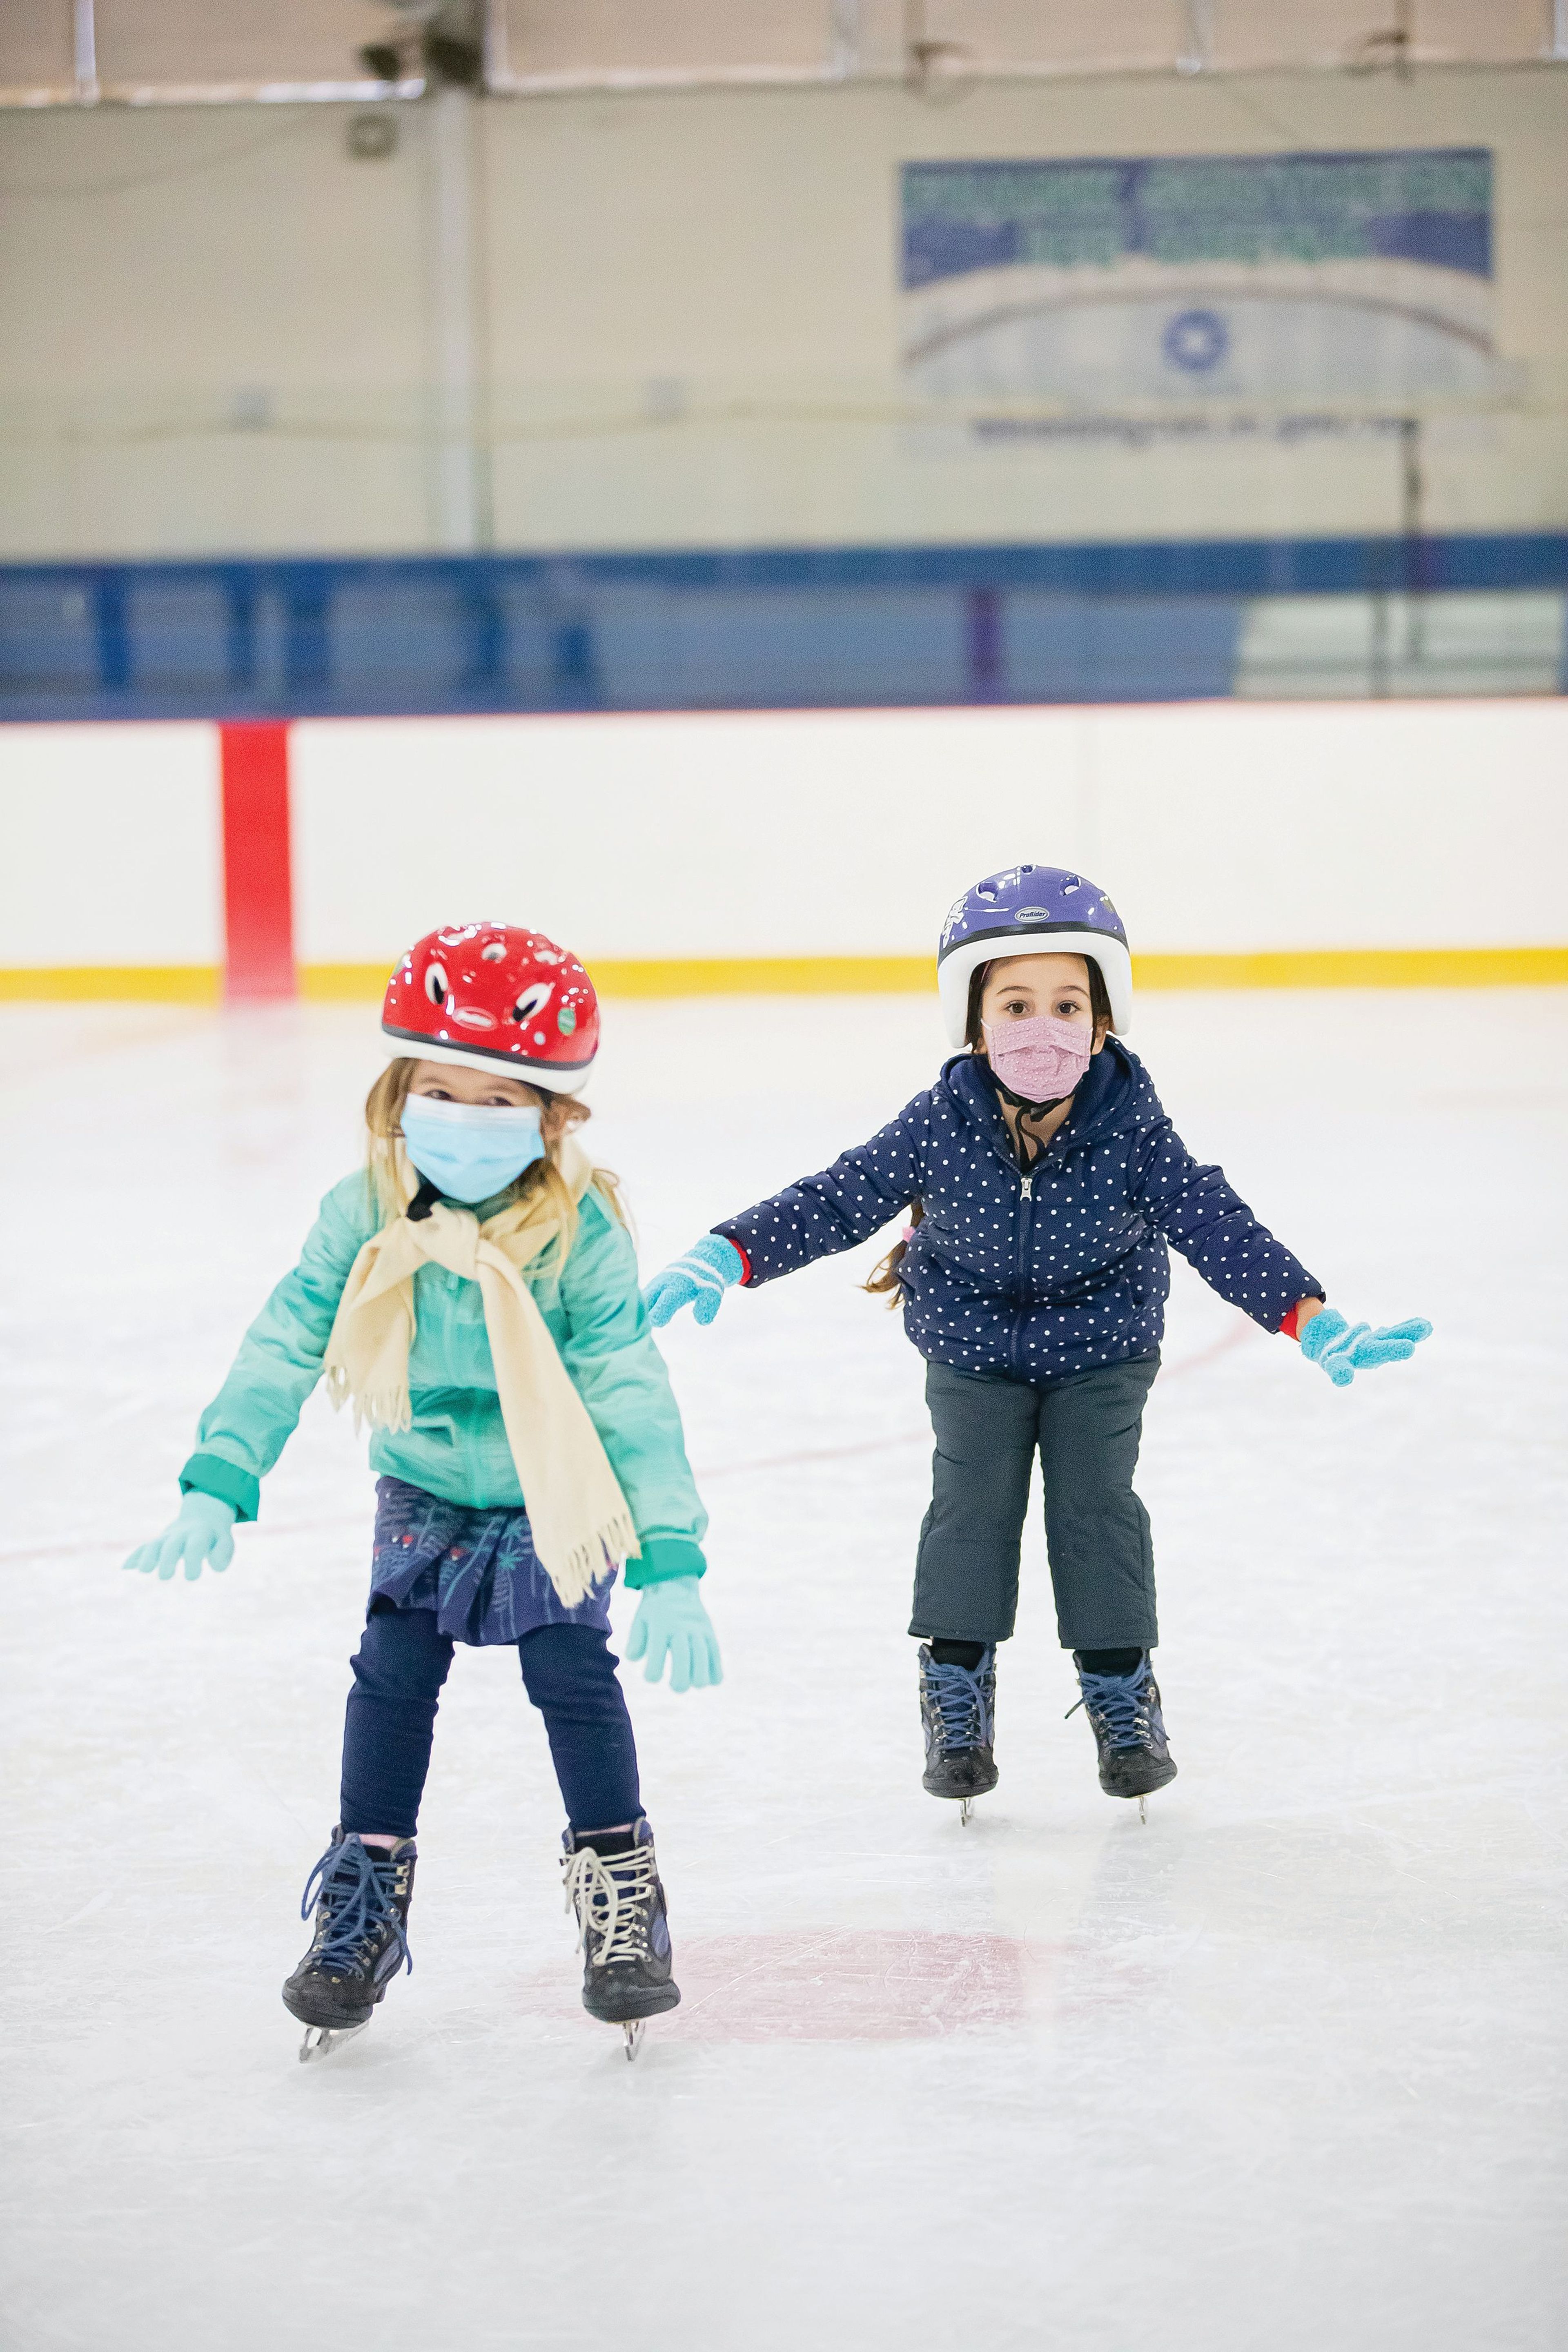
473	1291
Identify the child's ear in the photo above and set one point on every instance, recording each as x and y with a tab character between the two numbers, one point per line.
1101	1031
559	1115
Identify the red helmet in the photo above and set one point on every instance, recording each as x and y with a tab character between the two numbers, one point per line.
495	997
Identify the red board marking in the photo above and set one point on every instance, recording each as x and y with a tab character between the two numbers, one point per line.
848	1984
257	881
836	1984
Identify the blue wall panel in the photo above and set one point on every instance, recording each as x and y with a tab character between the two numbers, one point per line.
758	628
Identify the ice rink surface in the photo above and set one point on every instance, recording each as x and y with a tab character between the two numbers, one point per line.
1282	2069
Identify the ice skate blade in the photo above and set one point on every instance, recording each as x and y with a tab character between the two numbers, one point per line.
321	2040
1143	1811
633	2034
963	1805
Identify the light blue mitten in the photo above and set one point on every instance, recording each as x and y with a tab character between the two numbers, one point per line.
203	1533
698	1280
1343	1349
673	1622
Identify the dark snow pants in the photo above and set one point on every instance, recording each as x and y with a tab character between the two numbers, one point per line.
568	1673
1086	1429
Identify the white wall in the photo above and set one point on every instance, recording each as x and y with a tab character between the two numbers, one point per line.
110	846
1218	827
219	327
1232	827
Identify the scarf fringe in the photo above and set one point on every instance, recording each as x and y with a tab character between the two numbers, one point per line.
380	1409
588	1564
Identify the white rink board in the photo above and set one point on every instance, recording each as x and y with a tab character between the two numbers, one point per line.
1285	2068
111	845
1218	827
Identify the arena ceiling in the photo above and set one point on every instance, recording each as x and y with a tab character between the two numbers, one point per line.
153	52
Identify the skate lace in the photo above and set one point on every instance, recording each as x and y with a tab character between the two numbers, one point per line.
612	1897
1117	1708
964	1702
354	1887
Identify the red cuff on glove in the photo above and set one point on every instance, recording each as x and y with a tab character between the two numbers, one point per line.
741	1253
1290	1328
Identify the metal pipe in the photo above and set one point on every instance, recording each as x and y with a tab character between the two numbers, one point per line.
498	54
1411	489
84	52
264	93
611	81
631	81
35	97
653	80
32	97
461	482
844	37
1198	57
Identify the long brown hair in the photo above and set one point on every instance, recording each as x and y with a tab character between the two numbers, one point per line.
392	1193
884	1275
884	1279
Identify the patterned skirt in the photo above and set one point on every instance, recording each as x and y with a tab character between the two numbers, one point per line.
477	1570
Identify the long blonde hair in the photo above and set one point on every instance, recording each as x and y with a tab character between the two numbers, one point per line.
389	1183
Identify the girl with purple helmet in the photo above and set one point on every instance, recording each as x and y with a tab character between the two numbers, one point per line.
1044	1183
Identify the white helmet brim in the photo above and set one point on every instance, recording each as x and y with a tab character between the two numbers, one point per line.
550	1078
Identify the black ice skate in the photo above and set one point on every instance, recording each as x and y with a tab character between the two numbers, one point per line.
362	1895
958	1714
1129	1729
623	1929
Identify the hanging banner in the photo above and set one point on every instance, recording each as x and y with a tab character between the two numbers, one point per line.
1278	279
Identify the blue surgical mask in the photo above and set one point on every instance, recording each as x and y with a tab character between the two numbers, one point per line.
471	1150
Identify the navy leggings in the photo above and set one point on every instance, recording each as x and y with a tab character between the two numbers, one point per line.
567	1671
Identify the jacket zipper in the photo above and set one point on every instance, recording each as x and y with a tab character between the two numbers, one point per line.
1026	1220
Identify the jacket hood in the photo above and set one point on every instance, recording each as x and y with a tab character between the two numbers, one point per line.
1116	1094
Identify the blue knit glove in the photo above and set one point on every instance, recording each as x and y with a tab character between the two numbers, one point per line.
203	1532
673	1622
698	1280
1343	1349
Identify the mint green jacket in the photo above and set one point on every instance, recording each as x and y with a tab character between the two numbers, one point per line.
456	1447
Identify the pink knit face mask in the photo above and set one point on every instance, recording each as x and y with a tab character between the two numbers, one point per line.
1039	1060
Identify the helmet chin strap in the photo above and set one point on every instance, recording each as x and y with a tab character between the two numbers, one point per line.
423	1200
1022	1102
1031	1147
1033	1109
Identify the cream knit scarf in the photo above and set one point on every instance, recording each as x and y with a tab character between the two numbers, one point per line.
575	1507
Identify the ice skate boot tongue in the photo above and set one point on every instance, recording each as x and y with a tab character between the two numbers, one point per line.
1129	1729
613	1887
361	1896
958	1717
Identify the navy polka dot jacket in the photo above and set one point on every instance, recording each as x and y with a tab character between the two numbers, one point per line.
1033	1276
